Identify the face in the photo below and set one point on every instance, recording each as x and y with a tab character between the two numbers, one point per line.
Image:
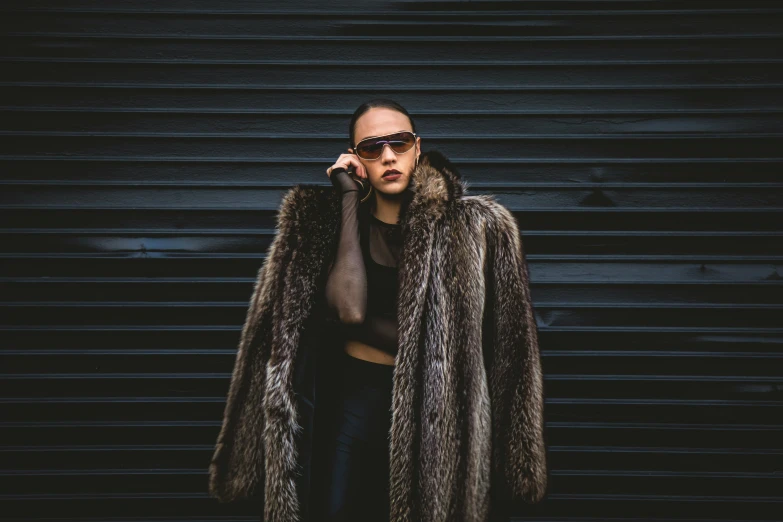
380	121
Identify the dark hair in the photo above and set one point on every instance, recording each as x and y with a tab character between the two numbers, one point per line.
374	103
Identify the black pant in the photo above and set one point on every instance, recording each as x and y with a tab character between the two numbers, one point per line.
353	483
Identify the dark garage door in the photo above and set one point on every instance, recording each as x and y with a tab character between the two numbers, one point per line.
145	148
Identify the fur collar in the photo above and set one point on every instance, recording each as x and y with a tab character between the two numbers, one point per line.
437	179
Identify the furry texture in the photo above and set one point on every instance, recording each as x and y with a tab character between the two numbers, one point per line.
467	405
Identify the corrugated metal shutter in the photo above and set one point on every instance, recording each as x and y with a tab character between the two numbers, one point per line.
146	147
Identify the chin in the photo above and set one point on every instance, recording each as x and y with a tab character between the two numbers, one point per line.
398	187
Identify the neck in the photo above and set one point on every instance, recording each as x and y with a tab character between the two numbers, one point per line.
387	207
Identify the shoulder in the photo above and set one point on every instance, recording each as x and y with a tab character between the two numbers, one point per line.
304	203
304	197
495	216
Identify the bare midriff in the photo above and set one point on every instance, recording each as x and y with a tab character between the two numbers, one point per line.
369	353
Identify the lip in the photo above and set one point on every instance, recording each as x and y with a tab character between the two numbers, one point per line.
392	173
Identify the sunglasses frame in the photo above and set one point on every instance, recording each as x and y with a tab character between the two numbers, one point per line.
415	136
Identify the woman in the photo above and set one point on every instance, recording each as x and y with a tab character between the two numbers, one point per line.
388	367
362	290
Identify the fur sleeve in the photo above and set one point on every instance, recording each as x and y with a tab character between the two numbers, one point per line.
513	366
237	466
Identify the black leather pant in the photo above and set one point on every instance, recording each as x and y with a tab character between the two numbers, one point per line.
353	483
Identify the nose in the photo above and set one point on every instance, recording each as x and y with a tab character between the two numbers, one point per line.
388	153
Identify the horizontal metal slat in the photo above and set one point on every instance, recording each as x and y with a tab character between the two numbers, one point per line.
369	48
44	122
572	97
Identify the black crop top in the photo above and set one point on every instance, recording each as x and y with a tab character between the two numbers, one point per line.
362	283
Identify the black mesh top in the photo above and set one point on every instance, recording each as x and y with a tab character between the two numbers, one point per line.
362	283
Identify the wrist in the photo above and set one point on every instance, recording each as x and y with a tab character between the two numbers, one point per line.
343	181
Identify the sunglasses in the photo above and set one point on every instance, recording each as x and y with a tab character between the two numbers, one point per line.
372	148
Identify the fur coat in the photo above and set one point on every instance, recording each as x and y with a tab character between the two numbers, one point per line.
467	407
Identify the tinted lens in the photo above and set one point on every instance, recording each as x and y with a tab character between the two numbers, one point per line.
399	142
370	149
402	142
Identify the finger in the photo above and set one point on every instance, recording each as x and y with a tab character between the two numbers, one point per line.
359	167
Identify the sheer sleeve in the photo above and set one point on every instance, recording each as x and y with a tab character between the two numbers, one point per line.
346	286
